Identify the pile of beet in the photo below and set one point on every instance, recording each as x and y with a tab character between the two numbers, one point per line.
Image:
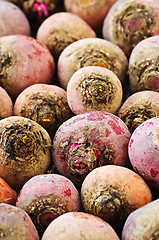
79	119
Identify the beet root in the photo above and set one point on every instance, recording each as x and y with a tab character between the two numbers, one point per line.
138	108
6	104
23	62
91	52
94	89
79	225
24	150
16	224
45	104
112	193
87	141
143	65
142	223
47	196
143	151
130	21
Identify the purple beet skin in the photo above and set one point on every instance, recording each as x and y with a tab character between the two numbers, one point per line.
90	140
143	150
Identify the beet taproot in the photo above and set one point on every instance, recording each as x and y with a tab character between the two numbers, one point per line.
6	104
142	223
92	11
130	21
45	197
143	65
112	192
13	20
7	194
24	150
23	62
61	29
87	141
45	104
91	52
79	225
143	150
138	108
94	88
16	224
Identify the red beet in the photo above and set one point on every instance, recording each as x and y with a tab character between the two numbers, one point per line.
91	52
45	104
94	88
143	151
61	29
6	104
15	224
24	150
138	108
143	65
79	225
87	141
112	193
130	21
24	62
47	196
12	20
142	223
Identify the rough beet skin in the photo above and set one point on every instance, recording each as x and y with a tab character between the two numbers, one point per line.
47	196
79	225
24	150
143	151
87	141
94	88
112	193
16	224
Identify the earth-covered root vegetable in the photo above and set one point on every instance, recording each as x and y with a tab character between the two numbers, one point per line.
79	225
142	223
91	52
143	69
24	150
130	21
47	196
6	104
112	193
92	11
143	150
7	194
87	141
23	62
16	224
94	88
13	20
138	108
45	104
61	29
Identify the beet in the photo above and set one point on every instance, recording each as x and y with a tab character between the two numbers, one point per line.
130	21
61	29
143	151
94	88
142	223
13	20
112	192
16	224
45	104
143	65
6	104
79	225
22	63
7	194
24	150
45	197
93	12
138	108
87	141
91	52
